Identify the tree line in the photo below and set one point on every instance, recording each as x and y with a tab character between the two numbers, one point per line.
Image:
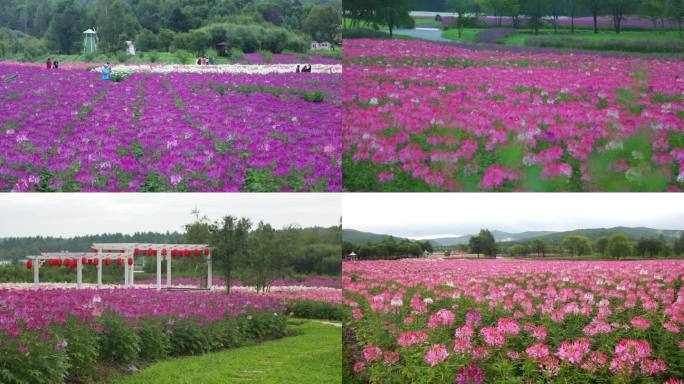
194	25
395	14
388	248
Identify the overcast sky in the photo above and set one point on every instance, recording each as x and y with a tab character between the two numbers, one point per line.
62	214
453	214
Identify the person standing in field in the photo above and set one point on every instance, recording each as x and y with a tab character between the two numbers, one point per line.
55	64
106	72
48	64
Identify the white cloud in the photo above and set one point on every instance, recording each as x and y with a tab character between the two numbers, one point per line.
424	215
63	214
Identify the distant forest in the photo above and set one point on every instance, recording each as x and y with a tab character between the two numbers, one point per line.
34	27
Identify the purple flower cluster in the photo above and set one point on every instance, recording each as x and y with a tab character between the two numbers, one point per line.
69	130
257	58
27	309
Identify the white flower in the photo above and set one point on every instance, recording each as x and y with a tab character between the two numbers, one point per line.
373	101
428	300
396	302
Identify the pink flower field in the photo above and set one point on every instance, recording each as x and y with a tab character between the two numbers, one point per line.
425	116
69	130
476	321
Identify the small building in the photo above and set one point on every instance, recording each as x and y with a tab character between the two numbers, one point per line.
323	46
352	256
90	41
223	49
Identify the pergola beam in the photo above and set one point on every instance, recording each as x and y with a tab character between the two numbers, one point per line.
102	251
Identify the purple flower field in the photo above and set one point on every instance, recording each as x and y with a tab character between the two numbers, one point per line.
72	131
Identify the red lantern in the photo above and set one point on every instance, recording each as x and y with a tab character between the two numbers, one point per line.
186	252
174	253
89	261
58	262
29	264
119	261
96	261
197	252
107	261
72	265
93	249
84	260
136	252
206	251
130	261
164	252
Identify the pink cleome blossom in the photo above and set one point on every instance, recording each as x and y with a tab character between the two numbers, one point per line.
443	317
436	354
372	353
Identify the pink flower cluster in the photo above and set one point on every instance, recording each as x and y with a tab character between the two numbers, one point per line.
459	119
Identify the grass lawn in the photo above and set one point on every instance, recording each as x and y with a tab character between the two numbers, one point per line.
313	355
468	35
588	35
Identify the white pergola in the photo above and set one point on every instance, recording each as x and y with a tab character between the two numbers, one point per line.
101	252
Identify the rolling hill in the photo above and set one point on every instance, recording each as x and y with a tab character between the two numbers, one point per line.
551	237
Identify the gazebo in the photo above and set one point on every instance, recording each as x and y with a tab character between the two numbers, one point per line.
122	254
90	41
352	256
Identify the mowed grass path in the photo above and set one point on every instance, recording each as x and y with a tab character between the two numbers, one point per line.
314	355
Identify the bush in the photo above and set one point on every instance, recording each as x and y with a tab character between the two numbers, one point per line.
267	55
154	340
188	338
153	56
83	348
118	340
310	309
261	324
363	33
30	358
223	334
183	57
494	35
609	45
236	54
316	97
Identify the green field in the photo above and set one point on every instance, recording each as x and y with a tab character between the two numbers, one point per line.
468	35
312	355
588	35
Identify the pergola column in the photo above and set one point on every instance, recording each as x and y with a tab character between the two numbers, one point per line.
209	274
168	268
125	264
79	272
99	269
131	271
159	271
36	274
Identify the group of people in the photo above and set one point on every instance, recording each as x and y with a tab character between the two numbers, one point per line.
305	69
49	64
203	60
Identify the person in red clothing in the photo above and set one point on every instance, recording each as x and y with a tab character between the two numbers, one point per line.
49	63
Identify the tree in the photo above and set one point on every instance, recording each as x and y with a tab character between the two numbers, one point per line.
165	38
116	24
519	250
536	10
576	245
618	246
392	13
322	23
65	32
229	238
651	246
656	10
265	261
618	9
539	246
675	10
198	41
461	8
594	7
500	8
679	245
483	243
146	41
571	6
601	245
179	20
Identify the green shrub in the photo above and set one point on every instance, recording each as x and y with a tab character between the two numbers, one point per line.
83	348
309	309
122	57
262	324
223	334
153	56
188	338
267	55
316	97
118	341
30	358
154	340
236	54
183	57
